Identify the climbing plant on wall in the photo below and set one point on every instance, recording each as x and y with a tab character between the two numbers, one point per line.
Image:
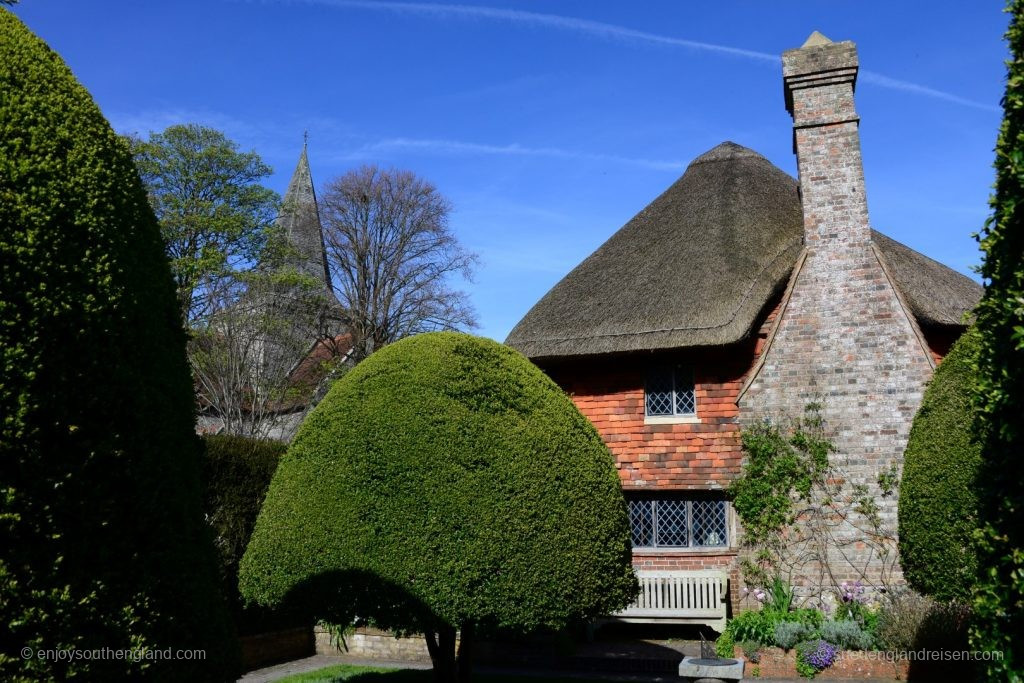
792	494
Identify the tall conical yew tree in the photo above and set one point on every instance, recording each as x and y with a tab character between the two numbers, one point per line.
106	569
999	597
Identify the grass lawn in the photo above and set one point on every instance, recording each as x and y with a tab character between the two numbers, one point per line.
366	674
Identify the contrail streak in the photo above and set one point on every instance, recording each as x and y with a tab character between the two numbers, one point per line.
621	33
460	147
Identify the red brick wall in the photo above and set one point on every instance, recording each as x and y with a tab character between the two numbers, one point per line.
658	457
702	455
940	339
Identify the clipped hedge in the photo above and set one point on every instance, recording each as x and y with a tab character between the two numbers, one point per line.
102	543
999	595
444	482
236	475
938	504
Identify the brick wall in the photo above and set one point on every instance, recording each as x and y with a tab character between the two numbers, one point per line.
701	455
844	338
704	455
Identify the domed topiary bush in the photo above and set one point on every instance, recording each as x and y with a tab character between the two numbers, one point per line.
444	483
102	545
938	504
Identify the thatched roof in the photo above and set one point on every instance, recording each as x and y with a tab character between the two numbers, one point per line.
936	294
698	265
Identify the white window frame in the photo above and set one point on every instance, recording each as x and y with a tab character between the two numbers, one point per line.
674	418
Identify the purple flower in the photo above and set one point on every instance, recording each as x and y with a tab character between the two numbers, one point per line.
820	654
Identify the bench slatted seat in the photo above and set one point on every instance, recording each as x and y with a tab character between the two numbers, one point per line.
679	597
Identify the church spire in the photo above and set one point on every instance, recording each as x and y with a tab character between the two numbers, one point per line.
300	221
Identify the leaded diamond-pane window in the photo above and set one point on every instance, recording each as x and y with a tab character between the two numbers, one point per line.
660	394
669	391
661	522
672	523
709	525
641	522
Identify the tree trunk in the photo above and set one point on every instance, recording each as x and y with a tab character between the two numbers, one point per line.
449	668
464	664
441	646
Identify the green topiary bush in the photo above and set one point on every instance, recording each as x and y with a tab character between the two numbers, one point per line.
938	504
102	544
444	483
236	475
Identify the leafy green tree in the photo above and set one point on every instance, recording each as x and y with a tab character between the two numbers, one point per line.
445	483
102	543
938	504
215	216
999	597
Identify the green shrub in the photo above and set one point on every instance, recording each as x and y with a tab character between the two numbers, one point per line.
758	626
789	633
911	621
445	482
854	610
236	474
847	634
938	504
725	646
808	617
999	400
103	541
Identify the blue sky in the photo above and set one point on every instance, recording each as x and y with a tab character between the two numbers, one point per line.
550	124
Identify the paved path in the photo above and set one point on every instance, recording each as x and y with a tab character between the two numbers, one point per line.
279	671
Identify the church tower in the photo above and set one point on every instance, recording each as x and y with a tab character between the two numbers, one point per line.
300	222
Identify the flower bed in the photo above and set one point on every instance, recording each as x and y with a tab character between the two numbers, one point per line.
775	662
855	636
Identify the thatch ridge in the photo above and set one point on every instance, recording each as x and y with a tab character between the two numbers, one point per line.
696	267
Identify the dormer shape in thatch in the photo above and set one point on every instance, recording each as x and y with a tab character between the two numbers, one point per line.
699	264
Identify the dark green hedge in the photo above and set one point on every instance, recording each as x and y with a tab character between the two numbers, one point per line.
999	596
236	474
102	543
938	505
444	480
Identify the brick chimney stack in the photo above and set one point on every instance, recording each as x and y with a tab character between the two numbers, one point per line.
819	81
843	337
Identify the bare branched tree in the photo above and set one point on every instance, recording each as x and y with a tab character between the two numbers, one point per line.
392	257
262	357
